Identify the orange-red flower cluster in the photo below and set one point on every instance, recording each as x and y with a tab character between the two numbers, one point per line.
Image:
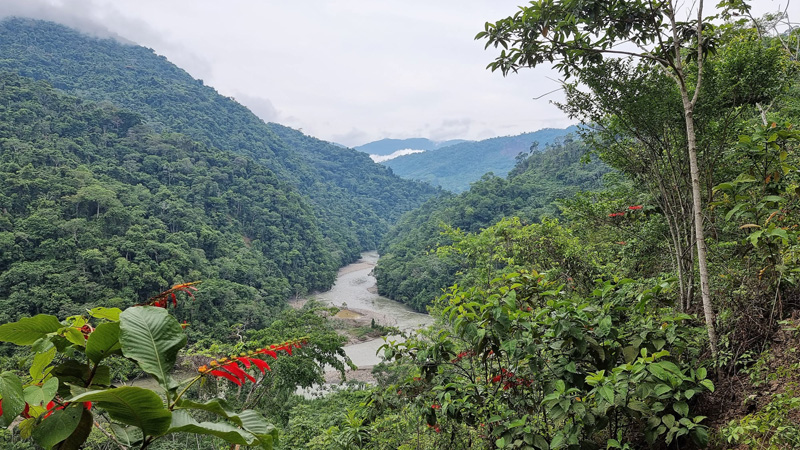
635	208
462	355
436	428
163	299
510	380
230	369
617	214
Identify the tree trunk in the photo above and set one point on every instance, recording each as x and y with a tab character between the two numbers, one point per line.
697	205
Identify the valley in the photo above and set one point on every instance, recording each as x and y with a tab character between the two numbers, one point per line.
175	270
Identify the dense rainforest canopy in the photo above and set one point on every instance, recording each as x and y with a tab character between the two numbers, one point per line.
568	296
353	199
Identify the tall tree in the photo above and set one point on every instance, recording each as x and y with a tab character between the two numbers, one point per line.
575	35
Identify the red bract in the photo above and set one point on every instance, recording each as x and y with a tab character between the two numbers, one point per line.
163	299
229	368
634	208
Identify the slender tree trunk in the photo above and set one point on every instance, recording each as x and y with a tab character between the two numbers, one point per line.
691	140
697	205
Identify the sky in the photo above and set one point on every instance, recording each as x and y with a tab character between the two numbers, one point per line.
346	71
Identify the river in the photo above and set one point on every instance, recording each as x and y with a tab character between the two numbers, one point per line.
357	289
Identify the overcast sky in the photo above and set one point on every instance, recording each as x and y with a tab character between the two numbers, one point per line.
348	71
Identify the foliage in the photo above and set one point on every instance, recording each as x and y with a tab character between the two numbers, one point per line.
772	427
409	270
354	200
68	377
526	366
94	206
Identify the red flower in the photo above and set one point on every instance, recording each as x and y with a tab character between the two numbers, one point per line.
634	208
163	299
436	406
230	369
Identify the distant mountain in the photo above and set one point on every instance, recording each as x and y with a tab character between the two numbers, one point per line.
388	146
169	100
454	167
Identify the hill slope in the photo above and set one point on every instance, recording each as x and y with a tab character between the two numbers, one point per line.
409	273
454	167
135	78
97	209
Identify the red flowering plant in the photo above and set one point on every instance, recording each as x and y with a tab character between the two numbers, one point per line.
69	389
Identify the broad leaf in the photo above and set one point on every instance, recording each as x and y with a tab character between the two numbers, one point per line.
41	360
29	329
40	395
77	439
103	341
58	427
183	422
80	374
13	397
152	338
131	405
106	313
248	419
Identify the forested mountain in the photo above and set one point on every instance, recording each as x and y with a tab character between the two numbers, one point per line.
454	167
389	146
409	270
169	99
95	206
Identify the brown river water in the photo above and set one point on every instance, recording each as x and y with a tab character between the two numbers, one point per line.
356	287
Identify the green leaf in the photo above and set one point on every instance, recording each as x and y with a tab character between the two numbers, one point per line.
558	441
78	437
103	341
39	395
637	405
681	408
13	397
152	338
131	405
708	384
29	329
127	435
500	443
248	419
58	427
40	362
183	422
701	373
700	436
607	393
78	373
106	313
669	420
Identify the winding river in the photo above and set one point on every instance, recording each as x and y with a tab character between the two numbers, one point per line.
356	288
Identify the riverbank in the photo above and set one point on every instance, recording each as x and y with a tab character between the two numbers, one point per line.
363	316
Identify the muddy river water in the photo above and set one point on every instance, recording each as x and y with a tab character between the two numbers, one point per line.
356	288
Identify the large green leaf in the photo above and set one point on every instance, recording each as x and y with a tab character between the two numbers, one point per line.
183	422
78	437
29	329
152	338
103	341
40	395
13	397
131	405
248	419
58	427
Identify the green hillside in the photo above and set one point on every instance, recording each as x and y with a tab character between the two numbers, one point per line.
169	99
94	206
409	270
456	166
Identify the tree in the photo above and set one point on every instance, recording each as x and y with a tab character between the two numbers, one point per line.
575	35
